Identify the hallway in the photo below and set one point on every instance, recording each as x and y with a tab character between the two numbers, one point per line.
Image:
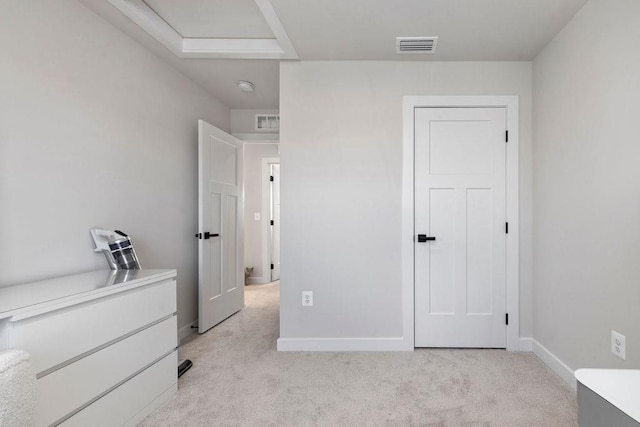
238	378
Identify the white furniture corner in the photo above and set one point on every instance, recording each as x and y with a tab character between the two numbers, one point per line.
608	397
102	344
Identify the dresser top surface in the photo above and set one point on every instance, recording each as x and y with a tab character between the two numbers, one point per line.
31	295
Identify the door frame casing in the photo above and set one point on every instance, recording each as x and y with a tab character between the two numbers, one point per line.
410	103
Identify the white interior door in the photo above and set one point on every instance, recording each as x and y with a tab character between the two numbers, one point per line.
220	213
275	222
460	259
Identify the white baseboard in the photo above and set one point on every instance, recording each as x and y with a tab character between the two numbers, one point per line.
344	344
257	280
556	365
373	344
525	344
186	330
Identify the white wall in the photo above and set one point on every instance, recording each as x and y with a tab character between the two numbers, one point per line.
255	242
94	131
341	156
587	187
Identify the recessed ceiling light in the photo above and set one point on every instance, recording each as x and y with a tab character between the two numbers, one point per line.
245	86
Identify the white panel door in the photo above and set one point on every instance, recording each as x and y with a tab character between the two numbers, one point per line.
220	210
275	224
460	258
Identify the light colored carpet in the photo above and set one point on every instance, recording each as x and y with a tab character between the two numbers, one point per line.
238	378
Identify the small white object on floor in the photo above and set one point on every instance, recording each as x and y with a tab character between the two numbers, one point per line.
17	388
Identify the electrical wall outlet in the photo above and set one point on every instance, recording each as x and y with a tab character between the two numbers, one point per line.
618	345
307	298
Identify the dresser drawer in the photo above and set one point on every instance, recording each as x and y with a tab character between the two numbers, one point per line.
69	388
61	335
133	400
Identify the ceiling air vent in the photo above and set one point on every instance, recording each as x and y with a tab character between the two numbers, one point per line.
416	44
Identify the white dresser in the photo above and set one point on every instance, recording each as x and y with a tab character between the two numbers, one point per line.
608	397
103	344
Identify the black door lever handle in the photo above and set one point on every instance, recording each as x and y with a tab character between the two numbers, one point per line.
423	238
207	235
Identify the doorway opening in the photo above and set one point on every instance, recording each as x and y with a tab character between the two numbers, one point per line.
270	179
274	220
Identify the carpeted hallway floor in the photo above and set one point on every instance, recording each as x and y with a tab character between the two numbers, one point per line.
239	379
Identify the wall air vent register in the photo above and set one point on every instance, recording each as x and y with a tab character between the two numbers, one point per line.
416	44
268	122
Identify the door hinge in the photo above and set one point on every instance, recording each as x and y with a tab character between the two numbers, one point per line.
506	227
506	318
506	136
271	222
271	178
272	266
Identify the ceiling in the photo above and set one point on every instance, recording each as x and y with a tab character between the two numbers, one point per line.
205	38
213	19
468	30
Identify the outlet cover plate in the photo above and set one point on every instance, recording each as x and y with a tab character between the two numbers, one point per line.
307	298
618	345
